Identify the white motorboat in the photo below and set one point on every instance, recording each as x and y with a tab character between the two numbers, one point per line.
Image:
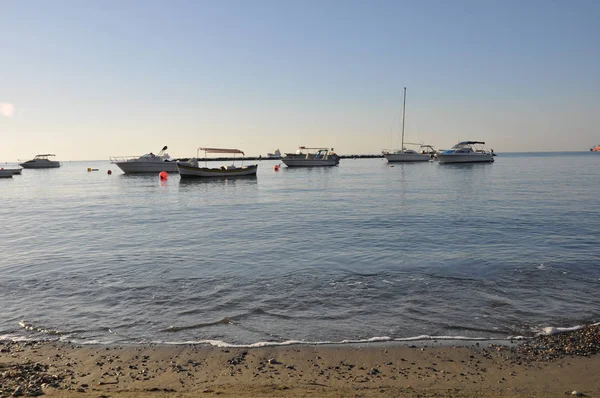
148	163
322	157
40	162
194	171
408	155
467	152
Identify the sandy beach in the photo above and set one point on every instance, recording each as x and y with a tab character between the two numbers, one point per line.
542	367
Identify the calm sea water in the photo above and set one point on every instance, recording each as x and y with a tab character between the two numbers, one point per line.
356	252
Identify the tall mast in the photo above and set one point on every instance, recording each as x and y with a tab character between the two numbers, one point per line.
403	113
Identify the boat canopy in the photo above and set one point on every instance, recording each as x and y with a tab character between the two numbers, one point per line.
319	148
44	155
220	150
471	143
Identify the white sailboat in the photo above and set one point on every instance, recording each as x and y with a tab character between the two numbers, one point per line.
407	155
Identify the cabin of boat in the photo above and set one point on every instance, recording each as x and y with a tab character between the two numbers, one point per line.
193	170
319	157
41	161
148	163
467	152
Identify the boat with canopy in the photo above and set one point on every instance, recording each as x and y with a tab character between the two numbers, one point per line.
193	170
41	162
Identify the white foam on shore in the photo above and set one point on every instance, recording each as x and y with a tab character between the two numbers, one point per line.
223	344
550	330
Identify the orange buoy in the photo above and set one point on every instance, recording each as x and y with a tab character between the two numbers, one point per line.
276	167
109	172
163	175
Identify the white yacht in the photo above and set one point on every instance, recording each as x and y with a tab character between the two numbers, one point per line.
40	162
321	157
148	163
408	155
467	152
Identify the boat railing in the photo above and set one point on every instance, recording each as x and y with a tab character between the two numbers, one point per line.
119	159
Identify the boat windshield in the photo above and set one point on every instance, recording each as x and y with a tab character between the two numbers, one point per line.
43	157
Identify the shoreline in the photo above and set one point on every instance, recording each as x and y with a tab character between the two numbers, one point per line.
543	366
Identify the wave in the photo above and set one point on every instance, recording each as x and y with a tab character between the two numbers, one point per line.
224	321
223	344
550	330
28	326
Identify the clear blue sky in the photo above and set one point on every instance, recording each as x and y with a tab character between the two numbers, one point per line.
93	79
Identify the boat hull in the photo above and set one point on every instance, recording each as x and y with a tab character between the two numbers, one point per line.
40	165
310	162
12	171
5	174
406	157
465	158
140	167
186	171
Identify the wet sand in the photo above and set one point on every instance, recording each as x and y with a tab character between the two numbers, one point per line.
543	367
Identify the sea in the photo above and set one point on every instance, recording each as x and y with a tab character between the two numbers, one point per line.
362	252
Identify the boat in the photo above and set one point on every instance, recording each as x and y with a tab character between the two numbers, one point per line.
148	163
275	154
320	157
424	154
40	162
596	148
5	174
467	152
12	171
192	170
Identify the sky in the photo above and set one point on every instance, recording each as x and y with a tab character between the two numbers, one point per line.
87	80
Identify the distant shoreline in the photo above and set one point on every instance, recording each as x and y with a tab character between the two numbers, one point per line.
357	156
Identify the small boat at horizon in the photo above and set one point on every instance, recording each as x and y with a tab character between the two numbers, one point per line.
276	154
595	149
148	163
41	162
12	171
467	152
192	170
323	157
